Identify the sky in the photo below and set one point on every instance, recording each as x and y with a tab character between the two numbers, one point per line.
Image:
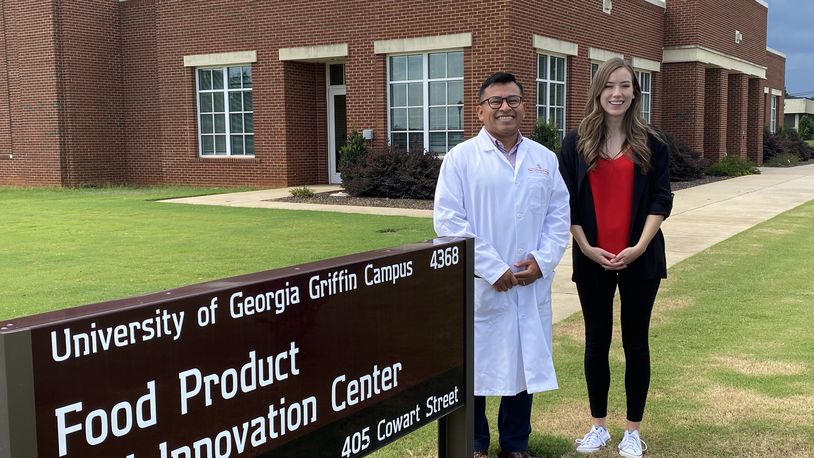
791	31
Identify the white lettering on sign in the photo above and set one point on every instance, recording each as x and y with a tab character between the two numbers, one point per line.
438	403
363	388
99	424
251	376
384	274
277	301
336	282
76	344
388	427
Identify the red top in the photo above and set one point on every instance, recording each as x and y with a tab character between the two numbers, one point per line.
612	189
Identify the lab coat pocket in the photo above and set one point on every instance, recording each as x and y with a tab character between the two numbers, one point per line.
537	186
489	303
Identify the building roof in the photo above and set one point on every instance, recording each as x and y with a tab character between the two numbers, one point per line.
798	106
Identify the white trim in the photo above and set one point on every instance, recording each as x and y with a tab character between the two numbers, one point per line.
765	89
423	44
220	59
602	55
708	56
798	106
552	45
661	3
763	3
319	53
646	64
331	91
775	52
777	92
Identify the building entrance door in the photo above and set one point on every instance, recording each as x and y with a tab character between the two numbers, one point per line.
337	118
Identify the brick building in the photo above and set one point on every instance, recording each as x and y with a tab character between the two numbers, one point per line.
244	92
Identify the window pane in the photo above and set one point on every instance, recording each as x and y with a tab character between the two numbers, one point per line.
438	119
247	77
206	102
438	93
559	95
220	123
541	67
646	102
438	142
247	101
541	113
552	66
398	119
235	77
236	123
416	119
217	105
237	144
415	95
248	123
337	74
205	80
398	68
558	117
438	65
541	94
235	101
416	142
455	138
398	95
414	67
206	123
558	73
250	144
455	64
454	118
400	141
208	143
220	144
455	89
217	79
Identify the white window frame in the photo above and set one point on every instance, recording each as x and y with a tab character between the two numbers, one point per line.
425	85
648	94
226	113
773	114
548	82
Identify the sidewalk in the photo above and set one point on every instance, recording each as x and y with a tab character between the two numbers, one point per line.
702	216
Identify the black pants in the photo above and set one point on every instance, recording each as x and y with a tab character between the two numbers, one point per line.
513	423
637	297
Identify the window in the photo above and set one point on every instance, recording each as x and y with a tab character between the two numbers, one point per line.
645	85
225	115
773	116
551	90
594	69
426	100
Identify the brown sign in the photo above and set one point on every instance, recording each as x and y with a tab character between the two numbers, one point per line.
334	358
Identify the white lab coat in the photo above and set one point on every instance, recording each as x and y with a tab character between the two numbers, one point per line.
513	213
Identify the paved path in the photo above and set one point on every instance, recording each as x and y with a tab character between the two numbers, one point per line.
702	216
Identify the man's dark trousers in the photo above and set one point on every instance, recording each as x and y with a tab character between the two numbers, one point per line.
513	423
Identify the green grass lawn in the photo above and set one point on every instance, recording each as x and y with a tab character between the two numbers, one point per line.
810	142
731	337
62	248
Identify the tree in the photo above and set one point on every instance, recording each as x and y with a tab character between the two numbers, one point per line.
806	127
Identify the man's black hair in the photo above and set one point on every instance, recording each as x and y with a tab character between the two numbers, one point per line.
499	78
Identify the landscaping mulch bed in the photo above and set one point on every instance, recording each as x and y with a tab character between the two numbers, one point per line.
325	198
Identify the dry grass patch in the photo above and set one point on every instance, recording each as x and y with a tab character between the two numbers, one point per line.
724	405
752	366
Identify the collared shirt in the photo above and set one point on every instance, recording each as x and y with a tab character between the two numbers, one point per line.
511	155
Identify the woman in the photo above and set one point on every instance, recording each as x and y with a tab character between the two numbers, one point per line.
617	170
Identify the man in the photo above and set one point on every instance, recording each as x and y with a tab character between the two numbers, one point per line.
506	192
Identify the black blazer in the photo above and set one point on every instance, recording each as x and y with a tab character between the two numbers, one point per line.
651	196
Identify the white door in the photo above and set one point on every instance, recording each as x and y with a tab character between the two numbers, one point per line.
337	118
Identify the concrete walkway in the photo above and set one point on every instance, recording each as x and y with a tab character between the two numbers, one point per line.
702	216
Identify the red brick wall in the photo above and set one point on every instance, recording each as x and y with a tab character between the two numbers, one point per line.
755	117
738	101
684	95
715	112
712	24
90	78
775	79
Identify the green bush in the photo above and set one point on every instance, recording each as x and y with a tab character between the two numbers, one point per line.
783	159
547	134
301	191
685	164
353	148
732	166
806	127
392	173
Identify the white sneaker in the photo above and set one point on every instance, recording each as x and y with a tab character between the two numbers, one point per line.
632	446
596	438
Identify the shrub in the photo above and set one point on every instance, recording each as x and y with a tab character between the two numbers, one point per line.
301	191
732	166
783	159
393	173
685	164
353	148
806	127
547	134
773	145
785	141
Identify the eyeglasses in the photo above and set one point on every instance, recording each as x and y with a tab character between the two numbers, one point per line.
496	102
